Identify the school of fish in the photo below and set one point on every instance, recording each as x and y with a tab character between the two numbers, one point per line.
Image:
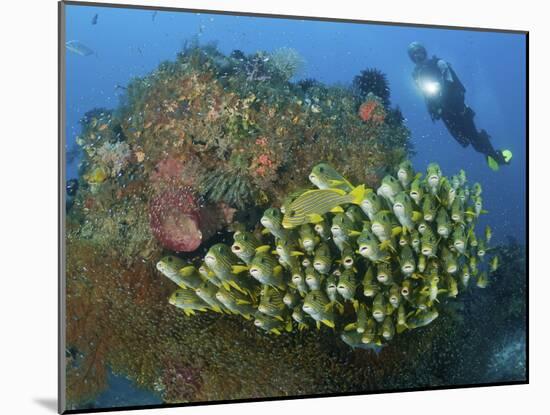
366	263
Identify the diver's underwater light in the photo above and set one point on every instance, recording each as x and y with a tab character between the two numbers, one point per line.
430	88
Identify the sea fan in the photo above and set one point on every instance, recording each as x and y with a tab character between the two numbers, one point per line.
372	81
287	62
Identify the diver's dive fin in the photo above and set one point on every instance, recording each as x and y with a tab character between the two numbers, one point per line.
507	156
492	163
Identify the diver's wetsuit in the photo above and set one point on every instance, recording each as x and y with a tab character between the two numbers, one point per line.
448	105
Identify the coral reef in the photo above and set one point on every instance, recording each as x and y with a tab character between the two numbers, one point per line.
232	129
232	135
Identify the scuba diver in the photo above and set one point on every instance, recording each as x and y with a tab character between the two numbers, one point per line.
444	95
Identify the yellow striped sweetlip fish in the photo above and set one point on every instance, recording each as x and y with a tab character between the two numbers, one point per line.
311	205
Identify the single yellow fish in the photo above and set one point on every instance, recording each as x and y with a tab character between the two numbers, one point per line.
311	205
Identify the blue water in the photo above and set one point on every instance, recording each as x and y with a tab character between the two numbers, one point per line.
130	43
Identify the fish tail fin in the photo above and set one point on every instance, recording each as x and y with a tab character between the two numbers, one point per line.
288	326
328	323
357	194
216	308
351	326
401	328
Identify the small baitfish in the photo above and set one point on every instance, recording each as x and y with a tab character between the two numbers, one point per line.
429	243
316	304
417	191
443	223
429	208
369	247
308	238
379	307
169	266
313	279
403	210
78	48
300	317
371	203
207	293
272	304
271	324
347	284
311	205
370	333
323	229
355	341
422	319
405	173
406	289
383	228
370	287
389	188
291	298
360	325
287	250
433	177
388	329
188	301
407	262
342	230
384	274
236	302
272	221
265	269
223	263
395	295
322	261
244	246
298	280
325	176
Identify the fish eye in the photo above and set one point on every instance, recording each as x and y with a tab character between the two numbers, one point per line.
321	169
